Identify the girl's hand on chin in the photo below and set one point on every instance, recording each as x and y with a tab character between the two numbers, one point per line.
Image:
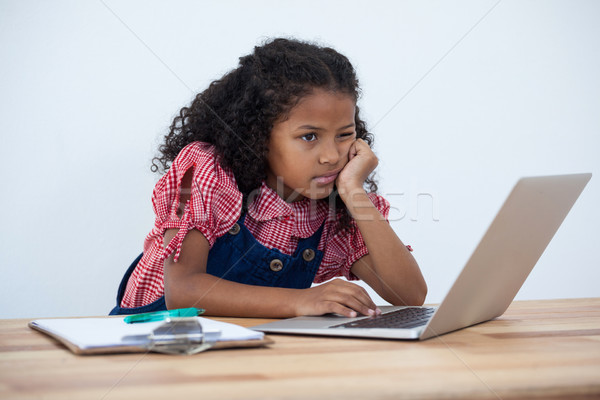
361	162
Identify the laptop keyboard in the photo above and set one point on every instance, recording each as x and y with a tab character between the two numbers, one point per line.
409	317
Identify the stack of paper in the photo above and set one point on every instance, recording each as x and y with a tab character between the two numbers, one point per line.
106	335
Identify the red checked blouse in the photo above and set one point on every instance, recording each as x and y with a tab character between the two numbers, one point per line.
215	205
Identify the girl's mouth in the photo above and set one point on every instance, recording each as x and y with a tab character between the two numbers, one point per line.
326	179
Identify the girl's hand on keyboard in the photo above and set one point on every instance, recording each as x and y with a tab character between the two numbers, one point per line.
336	296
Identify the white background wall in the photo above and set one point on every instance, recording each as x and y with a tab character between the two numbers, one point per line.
464	97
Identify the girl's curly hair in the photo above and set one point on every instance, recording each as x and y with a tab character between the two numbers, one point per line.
236	113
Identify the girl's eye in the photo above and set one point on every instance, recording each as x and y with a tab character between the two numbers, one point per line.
347	134
309	137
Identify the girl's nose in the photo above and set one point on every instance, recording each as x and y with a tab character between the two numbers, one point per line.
330	154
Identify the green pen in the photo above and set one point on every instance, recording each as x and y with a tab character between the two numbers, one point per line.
163	315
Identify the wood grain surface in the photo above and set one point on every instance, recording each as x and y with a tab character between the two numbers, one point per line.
537	349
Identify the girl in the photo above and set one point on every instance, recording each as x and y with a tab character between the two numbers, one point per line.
264	194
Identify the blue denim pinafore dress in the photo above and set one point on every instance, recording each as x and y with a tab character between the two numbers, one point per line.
237	256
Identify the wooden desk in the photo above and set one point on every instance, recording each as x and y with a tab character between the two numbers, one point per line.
544	349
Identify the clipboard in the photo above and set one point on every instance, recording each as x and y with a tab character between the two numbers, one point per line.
110	335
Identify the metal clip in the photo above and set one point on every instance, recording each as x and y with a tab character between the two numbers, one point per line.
181	336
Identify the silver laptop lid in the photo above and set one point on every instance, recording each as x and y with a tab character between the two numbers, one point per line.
507	253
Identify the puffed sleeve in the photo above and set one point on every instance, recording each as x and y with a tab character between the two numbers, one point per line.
214	203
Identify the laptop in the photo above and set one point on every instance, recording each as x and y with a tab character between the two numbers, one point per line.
489	281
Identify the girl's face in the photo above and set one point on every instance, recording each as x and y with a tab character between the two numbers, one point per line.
307	151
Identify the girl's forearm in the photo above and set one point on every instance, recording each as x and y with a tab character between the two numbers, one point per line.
187	284
221	297
225	298
399	278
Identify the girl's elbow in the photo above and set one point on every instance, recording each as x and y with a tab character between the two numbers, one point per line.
420	294
177	296
414	297
172	301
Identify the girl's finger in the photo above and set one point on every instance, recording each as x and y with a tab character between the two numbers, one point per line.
355	298
334	307
353	150
360	294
